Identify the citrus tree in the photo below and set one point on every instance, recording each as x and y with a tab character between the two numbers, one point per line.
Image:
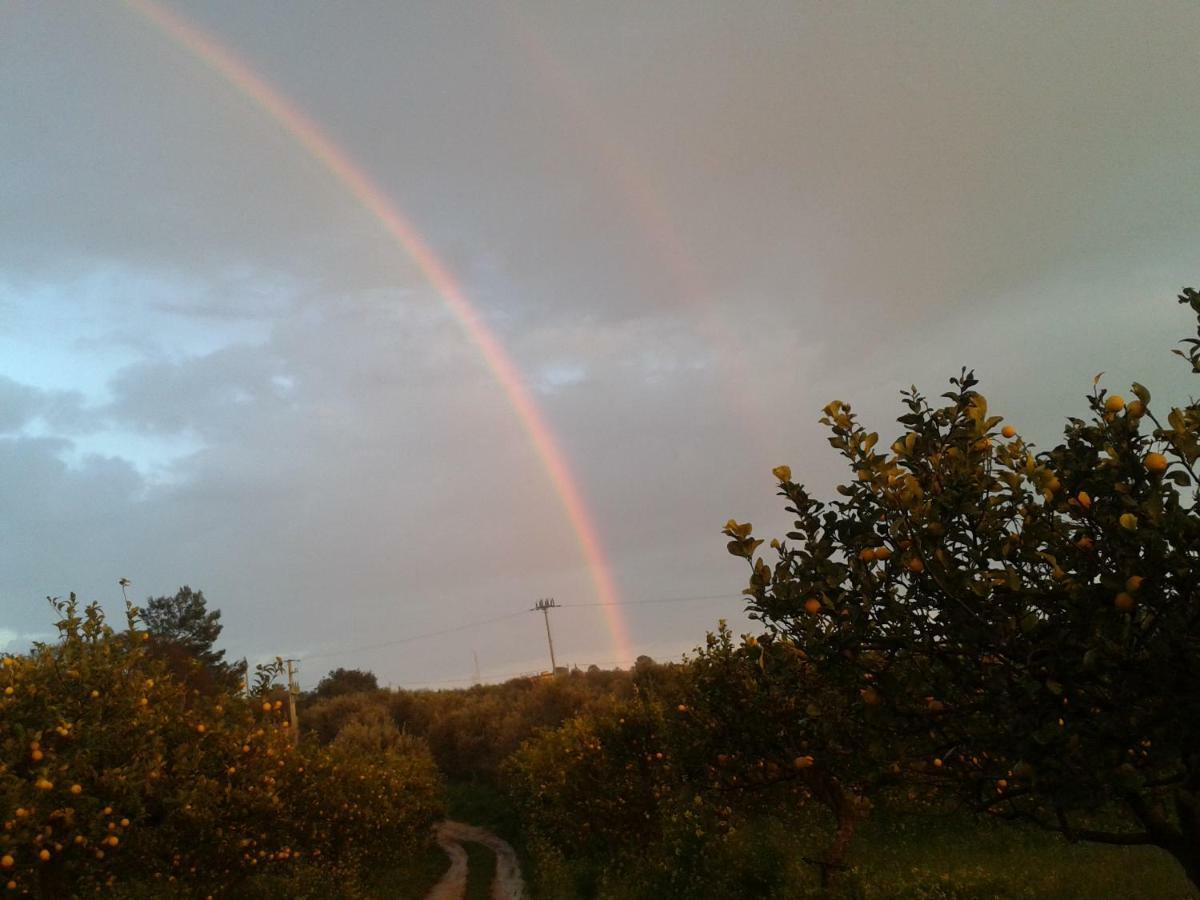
112	769
761	728
613	789
661	781
1025	622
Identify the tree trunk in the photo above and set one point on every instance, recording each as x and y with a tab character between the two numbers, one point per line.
848	811
835	855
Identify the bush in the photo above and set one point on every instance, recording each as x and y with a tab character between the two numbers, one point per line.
111	769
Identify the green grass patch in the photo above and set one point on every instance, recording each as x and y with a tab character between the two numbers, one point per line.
481	870
955	857
893	858
411	881
483	805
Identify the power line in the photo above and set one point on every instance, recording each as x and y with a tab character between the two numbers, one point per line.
415	637
467	681
655	600
428	634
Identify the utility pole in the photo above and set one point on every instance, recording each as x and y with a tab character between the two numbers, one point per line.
293	690
545	605
478	680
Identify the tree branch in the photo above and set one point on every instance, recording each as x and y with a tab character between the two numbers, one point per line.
1106	837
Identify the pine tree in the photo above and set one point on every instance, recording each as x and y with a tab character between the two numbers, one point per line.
183	624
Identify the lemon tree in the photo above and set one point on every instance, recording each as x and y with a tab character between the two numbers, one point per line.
1024	622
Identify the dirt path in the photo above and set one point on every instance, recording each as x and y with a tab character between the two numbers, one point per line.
507	884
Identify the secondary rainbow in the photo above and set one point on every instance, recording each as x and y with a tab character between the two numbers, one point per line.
358	184
644	203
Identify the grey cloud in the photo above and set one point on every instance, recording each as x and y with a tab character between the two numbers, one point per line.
20	404
690	227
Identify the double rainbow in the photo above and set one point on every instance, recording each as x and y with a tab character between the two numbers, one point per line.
342	167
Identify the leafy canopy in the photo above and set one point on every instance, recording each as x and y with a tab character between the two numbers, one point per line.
346	681
1021	625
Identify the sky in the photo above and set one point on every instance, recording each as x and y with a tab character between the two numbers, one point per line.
688	225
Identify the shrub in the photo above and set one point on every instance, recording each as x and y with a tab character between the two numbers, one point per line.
111	769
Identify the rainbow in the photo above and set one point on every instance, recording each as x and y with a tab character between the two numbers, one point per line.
635	189
346	172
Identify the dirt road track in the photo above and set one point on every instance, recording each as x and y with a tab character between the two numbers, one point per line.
507	885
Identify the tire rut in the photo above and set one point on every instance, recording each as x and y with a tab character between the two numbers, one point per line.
450	835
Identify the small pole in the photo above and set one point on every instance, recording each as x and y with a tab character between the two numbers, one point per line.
293	690
545	605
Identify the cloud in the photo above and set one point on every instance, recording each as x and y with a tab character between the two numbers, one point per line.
18	642
18	404
217	369
22	404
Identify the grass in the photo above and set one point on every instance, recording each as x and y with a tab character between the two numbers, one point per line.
481	869
897	858
483	805
480	804
411	881
960	857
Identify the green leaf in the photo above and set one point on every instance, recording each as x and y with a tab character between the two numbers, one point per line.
1142	393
